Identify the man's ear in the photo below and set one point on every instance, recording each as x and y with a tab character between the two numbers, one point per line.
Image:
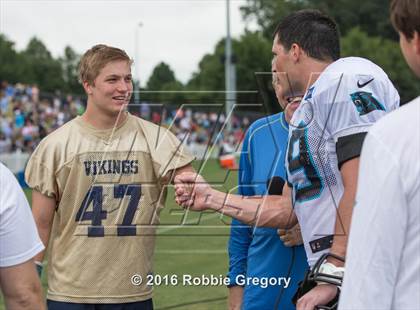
296	52
87	87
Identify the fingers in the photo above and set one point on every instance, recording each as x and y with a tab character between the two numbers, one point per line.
284	234
287	242
319	295
180	190
184	189
296	229
301	304
305	303
185	201
181	200
186	177
290	237
188	185
183	195
184	184
281	232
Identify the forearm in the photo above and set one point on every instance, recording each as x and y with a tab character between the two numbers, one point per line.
342	226
32	300
265	211
349	174
44	234
21	287
43	211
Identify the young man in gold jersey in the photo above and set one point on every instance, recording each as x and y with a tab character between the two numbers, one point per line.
98	186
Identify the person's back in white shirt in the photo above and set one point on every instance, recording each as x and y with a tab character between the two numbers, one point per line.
383	258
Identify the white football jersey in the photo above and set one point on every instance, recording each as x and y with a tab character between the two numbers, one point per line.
348	97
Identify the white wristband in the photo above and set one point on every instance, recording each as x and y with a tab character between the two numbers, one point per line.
331	270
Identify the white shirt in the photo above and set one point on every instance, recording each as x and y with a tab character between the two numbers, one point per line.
349	96
19	240
383	255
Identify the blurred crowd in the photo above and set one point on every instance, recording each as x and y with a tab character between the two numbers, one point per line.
28	115
197	126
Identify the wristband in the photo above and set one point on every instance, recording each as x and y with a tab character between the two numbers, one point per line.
329	269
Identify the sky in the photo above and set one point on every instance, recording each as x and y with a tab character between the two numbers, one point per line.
178	32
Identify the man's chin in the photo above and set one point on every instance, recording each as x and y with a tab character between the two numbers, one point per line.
120	102
116	110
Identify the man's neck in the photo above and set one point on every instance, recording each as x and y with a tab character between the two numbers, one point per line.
314	70
100	120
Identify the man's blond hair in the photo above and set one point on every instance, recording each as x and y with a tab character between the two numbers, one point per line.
96	58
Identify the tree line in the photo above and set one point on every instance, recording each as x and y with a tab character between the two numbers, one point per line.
36	65
364	26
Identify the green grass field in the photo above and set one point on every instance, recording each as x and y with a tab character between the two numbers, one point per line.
199	247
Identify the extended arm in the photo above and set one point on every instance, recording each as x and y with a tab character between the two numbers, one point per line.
266	211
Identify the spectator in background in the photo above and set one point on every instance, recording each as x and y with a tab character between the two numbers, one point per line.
29	135
4	101
26	118
19	119
6	127
29	131
9	89
47	112
145	110
5	143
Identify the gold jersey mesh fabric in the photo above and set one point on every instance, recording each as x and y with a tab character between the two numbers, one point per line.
109	193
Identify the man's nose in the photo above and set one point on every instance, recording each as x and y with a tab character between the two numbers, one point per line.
123	86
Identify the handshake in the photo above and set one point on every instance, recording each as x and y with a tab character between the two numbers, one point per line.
193	192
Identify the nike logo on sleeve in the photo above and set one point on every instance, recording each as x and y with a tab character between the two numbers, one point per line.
360	85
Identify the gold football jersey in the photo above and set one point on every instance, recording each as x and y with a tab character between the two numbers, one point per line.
109	195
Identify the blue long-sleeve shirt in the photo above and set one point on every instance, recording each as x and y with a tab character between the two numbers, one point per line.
259	252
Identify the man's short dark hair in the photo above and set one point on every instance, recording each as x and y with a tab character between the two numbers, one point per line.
405	16
316	33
